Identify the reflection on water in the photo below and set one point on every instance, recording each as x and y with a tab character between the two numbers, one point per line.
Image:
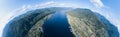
57	26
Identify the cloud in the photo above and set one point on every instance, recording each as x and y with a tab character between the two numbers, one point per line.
109	15
54	4
16	12
3	21
9	16
46	4
97	3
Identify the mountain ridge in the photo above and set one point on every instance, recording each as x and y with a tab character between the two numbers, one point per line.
82	23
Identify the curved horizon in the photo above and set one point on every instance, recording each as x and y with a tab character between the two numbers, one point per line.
11	9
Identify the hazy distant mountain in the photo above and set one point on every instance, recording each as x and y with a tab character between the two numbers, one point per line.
60	22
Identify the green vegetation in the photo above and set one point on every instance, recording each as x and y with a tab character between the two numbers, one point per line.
28	24
84	23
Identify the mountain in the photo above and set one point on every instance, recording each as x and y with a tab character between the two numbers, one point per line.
85	23
60	22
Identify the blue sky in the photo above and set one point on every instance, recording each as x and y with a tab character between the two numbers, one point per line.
108	8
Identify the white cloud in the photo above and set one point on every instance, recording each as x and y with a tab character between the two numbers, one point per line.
54	4
46	4
3	21
97	3
19	11
106	12
109	15
8	16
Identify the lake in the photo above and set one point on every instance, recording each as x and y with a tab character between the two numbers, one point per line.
57	26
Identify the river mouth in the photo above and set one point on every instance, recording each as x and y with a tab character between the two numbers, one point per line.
57	26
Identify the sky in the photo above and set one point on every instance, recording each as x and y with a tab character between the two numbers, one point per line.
12	8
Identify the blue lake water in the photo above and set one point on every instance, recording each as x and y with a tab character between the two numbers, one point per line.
57	26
